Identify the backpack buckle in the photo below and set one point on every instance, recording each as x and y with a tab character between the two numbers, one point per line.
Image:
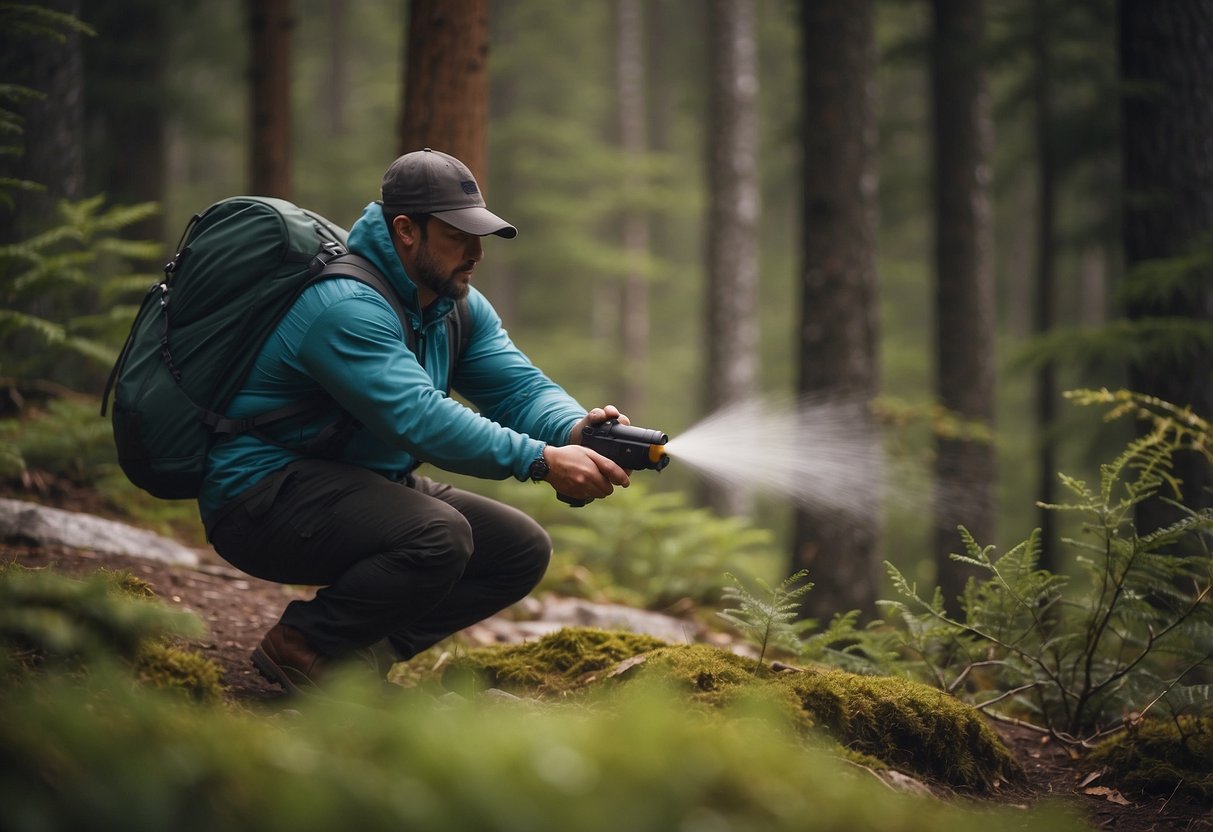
328	250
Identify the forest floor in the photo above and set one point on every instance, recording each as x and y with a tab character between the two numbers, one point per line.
238	609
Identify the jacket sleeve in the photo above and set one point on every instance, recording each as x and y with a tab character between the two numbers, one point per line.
354	349
499	379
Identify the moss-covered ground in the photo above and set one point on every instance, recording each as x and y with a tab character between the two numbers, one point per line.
1163	758
877	720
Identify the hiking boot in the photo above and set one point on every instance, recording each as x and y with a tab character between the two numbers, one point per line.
285	658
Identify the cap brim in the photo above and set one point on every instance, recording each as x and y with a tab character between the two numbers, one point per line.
478	221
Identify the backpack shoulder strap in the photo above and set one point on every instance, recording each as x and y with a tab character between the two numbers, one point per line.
459	333
361	269
459	320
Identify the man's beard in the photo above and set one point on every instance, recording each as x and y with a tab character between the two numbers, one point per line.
442	284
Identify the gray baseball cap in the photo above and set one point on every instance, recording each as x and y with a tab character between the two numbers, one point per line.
431	182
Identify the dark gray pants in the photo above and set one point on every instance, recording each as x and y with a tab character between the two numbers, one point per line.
412	563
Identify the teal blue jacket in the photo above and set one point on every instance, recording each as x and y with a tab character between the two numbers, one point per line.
341	338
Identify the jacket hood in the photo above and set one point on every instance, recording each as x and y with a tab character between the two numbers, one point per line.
371	238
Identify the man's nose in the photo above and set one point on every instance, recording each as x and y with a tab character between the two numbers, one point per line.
475	249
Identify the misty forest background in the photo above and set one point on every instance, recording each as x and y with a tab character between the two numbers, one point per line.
952	209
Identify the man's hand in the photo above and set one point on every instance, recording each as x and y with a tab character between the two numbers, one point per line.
596	417
582	473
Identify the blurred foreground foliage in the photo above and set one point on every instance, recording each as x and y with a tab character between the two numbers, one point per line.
111	756
53	625
83	746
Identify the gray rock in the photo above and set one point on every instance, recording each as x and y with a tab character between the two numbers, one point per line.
581	613
44	525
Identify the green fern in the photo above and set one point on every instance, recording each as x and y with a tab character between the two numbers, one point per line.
1076	654
767	621
843	644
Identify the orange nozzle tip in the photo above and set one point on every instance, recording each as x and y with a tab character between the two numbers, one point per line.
656	452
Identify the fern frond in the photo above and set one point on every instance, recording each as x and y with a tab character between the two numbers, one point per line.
766	620
50	332
29	20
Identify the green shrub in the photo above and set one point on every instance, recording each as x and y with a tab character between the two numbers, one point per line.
652	549
1076	656
66	440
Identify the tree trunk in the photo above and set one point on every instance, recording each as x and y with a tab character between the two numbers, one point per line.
733	213
633	139
337	78
505	281
837	337
446	81
1046	252
270	156
965	470
1167	73
53	124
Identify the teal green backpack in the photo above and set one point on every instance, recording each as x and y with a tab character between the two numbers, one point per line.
239	267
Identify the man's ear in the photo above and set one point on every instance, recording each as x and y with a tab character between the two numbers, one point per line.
404	230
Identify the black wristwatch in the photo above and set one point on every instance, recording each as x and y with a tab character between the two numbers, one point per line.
539	469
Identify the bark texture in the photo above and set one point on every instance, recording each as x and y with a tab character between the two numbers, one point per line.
965	469
734	208
446	81
838	328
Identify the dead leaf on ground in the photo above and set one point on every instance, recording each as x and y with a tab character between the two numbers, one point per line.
627	664
1110	795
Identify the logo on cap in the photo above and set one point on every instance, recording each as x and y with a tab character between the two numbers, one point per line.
469	187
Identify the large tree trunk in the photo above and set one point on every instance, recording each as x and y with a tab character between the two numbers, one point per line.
446	81
837	337
1167	73
965	470
270	154
733	212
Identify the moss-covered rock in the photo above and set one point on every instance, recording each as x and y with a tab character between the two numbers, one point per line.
555	664
1163	758
908	725
879	720
902	724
